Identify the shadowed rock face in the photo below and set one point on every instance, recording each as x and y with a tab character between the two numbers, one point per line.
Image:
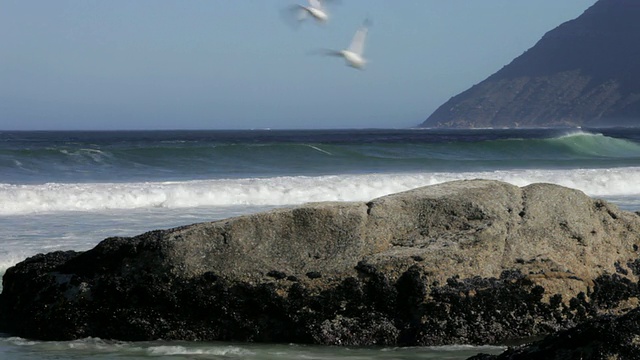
607	337
474	262
584	72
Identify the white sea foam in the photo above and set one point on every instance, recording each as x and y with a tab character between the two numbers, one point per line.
10	259
212	350
96	347
447	348
277	191
20	341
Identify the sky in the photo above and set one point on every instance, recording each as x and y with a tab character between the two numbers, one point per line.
246	64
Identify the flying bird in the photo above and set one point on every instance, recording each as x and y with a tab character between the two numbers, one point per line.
353	55
315	10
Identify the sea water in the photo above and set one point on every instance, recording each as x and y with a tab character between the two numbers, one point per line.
70	190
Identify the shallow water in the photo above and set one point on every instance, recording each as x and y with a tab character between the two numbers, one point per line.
21	349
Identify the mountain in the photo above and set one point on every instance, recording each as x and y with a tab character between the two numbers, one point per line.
584	72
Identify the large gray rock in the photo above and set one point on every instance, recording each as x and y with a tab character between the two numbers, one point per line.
474	261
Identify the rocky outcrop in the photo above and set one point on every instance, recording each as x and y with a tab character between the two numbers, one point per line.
607	337
473	261
583	73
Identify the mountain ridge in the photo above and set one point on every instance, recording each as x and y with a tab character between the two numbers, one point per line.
585	72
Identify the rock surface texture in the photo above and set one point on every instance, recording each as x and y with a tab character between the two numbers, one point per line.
605	338
474	261
585	72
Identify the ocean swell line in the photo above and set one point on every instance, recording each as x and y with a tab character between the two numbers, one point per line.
54	197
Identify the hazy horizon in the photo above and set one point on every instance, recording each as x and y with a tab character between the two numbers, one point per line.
214	65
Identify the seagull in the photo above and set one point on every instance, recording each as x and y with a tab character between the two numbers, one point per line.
314	9
353	54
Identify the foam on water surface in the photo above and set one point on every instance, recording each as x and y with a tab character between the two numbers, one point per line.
278	191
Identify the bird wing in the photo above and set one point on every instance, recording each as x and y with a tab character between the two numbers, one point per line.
301	12
357	43
333	53
315	4
326	52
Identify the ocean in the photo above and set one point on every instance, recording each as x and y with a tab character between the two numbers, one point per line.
70	190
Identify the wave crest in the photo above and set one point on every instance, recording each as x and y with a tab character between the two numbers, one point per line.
54	197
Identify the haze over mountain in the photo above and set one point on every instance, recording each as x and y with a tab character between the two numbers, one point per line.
585	72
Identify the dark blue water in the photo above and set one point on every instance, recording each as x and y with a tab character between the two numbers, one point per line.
41	157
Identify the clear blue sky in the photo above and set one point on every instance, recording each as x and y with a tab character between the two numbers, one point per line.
236	64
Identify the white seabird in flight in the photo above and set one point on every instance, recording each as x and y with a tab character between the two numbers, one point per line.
315	9
353	55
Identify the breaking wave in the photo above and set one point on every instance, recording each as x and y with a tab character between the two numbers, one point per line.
54	197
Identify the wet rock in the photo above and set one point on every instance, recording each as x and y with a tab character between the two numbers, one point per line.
476	262
607	337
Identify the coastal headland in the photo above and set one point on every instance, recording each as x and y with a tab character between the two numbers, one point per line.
463	262
582	73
